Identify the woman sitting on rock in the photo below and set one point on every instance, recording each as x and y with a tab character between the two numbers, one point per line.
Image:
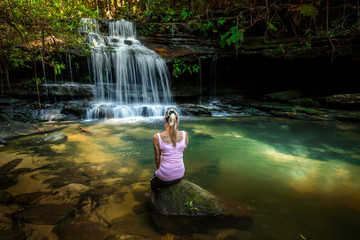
169	147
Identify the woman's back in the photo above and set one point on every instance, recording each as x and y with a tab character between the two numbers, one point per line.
171	157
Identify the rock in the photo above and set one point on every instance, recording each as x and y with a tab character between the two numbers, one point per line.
69	109
283	96
6	223
9	166
30	198
54	137
2	141
185	199
81	229
6	182
13	234
5	197
307	102
350	98
46	214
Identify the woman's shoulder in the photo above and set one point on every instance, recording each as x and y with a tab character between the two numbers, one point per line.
156	137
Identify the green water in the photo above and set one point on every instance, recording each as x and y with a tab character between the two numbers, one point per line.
299	178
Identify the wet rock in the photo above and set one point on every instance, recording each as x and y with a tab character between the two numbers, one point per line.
350	98
93	171
6	223
104	191
185	207
185	199
5	197
9	166
283	96
52	137
2	141
13	234
74	110
253	112
81	229
6	182
47	214
307	102
30	198
70	194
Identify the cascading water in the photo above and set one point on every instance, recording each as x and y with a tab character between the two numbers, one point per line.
130	79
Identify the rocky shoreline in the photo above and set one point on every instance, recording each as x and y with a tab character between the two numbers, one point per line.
20	117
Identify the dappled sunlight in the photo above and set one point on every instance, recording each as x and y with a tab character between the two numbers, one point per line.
115	206
31	182
283	158
91	151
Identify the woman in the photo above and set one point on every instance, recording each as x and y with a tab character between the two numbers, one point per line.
169	147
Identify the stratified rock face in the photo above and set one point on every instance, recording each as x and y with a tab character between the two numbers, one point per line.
185	199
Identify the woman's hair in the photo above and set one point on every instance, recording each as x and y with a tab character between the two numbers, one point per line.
172	116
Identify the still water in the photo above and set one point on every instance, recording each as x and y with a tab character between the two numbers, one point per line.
299	178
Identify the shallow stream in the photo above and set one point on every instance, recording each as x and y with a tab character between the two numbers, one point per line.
299	178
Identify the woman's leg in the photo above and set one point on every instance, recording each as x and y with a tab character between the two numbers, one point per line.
157	183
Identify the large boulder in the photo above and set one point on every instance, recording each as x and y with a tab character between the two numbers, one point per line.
184	207
185	199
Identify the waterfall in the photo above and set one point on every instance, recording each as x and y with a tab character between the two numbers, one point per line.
130	79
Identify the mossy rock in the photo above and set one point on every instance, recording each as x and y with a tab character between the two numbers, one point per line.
283	96
185	199
304	102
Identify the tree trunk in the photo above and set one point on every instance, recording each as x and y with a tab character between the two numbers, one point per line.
37	85
2	83
115	9
6	73
55	74
327	16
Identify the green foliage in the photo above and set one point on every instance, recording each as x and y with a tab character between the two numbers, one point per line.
180	67
37	80
221	21
234	36
191	205
35	31
272	26
308	10
58	68
185	14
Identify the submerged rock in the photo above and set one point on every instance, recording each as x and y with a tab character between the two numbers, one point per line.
46	214
5	197
185	199
12	234
55	137
81	229
2	141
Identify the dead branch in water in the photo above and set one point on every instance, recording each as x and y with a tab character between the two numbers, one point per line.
85	130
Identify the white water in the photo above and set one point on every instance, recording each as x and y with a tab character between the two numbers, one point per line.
130	79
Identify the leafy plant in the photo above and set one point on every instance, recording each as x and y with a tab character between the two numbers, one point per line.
221	21
234	36
191	205
185	14
180	67
272	26
308	10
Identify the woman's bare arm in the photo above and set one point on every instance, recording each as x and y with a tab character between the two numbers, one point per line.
186	140
156	150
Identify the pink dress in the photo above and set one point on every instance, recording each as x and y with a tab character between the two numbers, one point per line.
171	160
